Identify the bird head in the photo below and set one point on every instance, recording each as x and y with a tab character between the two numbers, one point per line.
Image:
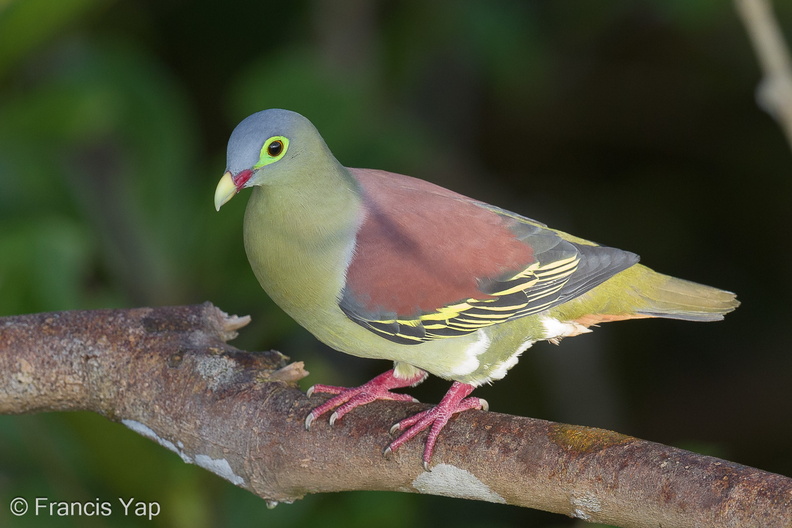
262	148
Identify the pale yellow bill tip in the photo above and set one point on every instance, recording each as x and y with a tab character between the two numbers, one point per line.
225	190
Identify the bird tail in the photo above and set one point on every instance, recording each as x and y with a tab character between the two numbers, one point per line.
673	298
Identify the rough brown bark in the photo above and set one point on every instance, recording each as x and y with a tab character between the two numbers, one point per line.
168	374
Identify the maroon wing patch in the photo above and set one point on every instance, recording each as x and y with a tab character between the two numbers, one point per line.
422	247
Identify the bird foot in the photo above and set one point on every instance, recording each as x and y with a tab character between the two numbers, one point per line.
347	399
456	400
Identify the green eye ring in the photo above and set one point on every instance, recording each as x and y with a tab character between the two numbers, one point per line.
273	150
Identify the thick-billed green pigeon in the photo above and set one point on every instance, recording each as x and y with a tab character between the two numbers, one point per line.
381	265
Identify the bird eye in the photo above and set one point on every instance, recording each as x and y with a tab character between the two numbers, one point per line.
271	151
275	148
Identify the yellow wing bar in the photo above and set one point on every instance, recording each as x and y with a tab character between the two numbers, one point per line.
530	291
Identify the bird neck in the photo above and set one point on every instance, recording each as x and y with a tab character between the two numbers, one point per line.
313	207
300	236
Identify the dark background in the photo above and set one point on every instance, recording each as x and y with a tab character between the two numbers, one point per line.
632	123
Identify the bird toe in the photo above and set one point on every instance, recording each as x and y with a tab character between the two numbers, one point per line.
309	420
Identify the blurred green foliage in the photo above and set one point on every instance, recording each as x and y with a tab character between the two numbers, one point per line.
630	123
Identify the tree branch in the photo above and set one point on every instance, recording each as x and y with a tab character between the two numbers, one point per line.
775	90
168	374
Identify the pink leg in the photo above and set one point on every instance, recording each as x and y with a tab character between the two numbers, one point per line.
437	417
348	398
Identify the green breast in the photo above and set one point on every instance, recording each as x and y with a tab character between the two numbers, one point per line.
297	259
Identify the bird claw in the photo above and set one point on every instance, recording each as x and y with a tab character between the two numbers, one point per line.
435	419
387	453
346	399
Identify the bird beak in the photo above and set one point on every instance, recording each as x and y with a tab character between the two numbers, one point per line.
229	185
226	189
